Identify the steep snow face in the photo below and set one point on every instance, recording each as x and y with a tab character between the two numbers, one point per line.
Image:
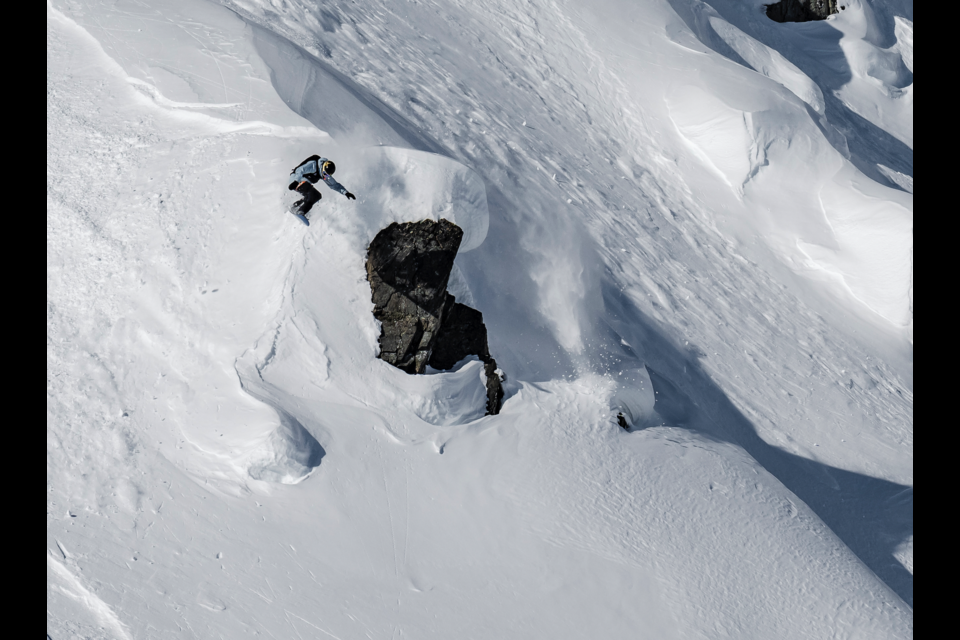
634	160
753	134
679	211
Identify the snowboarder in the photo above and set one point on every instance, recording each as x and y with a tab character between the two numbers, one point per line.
308	173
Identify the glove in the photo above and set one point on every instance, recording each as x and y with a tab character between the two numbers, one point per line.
350	196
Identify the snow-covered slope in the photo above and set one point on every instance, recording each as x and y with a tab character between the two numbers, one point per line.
679	210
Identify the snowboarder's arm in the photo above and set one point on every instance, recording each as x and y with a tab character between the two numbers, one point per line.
336	186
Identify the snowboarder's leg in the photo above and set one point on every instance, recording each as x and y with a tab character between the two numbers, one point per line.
310	197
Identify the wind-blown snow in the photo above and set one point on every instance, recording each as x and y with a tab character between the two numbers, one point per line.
681	211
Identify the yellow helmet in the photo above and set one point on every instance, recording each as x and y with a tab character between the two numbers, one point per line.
328	168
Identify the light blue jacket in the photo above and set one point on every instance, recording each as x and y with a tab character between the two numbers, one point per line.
310	171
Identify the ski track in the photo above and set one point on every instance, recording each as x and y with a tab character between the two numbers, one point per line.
75	589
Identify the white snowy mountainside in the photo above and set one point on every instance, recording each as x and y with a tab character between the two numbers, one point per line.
678	210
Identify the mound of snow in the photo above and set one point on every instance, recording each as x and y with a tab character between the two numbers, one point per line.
873	255
403	185
717	133
770	62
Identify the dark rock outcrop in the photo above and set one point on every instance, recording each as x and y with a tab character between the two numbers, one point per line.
463	334
801	10
408	266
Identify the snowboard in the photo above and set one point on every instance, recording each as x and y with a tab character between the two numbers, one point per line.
300	217
287	199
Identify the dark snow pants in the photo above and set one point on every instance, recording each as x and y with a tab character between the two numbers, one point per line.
310	197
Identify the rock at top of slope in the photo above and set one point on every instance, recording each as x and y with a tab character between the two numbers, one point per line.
801	10
408	267
415	260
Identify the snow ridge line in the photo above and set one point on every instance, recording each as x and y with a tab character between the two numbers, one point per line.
87	598
148	94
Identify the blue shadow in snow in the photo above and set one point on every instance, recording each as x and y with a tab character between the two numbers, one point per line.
870	515
814	47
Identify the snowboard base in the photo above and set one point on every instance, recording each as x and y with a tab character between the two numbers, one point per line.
301	217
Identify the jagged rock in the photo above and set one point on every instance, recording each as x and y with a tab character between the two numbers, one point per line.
408	266
463	334
495	382
801	10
